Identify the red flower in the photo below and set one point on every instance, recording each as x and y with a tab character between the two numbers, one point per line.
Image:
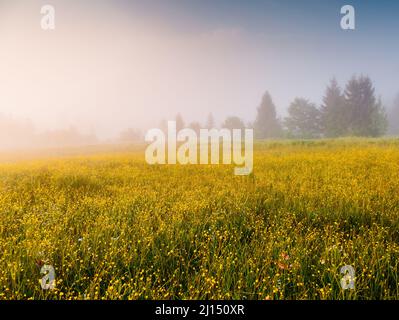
39	263
285	256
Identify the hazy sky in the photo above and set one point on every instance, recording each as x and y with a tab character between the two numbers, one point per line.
116	64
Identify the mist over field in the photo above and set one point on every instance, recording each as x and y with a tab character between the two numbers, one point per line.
114	65
292	196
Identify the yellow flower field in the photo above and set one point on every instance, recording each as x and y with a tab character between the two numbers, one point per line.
114	227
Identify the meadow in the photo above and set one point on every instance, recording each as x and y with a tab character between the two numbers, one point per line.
114	227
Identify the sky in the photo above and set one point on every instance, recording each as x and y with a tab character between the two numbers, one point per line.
110	65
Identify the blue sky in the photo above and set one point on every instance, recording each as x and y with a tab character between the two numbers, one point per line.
258	15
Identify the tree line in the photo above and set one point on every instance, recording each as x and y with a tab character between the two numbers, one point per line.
21	133
352	111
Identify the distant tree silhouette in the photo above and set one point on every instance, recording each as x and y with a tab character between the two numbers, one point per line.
163	125
304	119
130	135
210	122
266	124
365	112
196	126
179	122
16	132
334	112
394	117
233	123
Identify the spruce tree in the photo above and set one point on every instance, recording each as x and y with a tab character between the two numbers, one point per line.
333	111
365	113
266	124
210	122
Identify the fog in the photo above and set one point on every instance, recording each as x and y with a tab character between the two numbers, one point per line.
111	65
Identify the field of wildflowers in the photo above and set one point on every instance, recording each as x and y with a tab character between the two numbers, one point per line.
114	227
